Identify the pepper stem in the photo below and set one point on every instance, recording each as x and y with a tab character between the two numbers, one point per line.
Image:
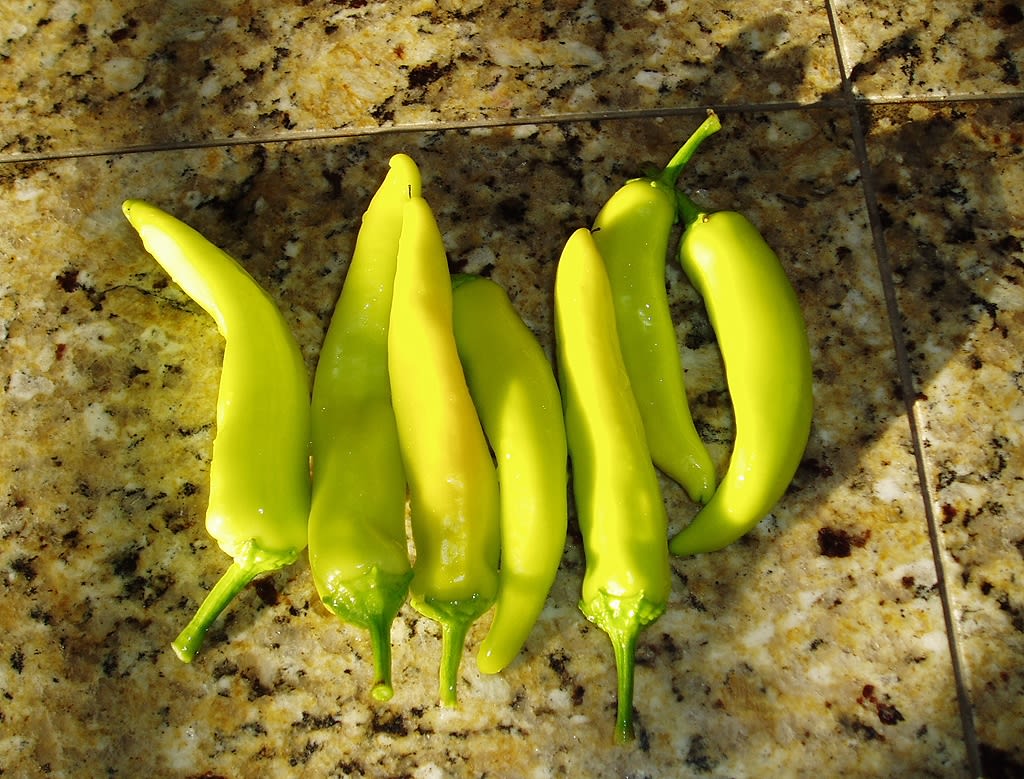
370	600
235	578
250	561
624	647
708	127
458	279
453	639
622	617
688	210
380	640
455	618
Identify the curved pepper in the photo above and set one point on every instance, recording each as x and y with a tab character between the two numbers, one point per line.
618	498
632	233
763	340
453	487
358	551
259	473
514	390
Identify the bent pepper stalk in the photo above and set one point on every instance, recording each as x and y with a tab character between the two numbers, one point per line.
259	471
358	552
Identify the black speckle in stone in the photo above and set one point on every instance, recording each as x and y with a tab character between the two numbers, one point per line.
425	75
511	210
25	567
1010	14
126	562
392	723
266	590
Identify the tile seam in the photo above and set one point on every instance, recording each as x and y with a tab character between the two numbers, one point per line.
845	102
442	126
854	106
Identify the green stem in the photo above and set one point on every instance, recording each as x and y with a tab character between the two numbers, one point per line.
458	279
371	600
455	618
453	639
380	640
622	618
624	646
235	578
688	210
675	166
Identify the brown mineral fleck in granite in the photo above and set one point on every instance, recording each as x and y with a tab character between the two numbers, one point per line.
870	626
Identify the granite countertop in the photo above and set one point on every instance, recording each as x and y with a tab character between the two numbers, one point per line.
872	625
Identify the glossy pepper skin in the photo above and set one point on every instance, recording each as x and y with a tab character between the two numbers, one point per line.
453	487
762	336
516	396
618	499
259	472
632	232
358	551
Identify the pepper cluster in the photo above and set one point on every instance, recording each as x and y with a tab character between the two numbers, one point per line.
429	390
625	403
433	400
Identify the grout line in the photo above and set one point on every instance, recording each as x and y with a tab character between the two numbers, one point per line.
909	392
449	126
845	101
908	388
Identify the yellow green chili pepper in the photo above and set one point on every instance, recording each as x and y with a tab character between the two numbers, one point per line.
514	389
632	233
357	544
763	340
619	504
453	487
259	473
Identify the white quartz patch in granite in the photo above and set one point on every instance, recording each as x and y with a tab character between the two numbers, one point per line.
99	422
24	386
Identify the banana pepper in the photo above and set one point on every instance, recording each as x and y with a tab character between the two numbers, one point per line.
761	333
453	486
358	551
619	505
259	472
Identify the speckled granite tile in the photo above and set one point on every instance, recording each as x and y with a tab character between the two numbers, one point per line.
814	646
84	76
951	182
929	49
